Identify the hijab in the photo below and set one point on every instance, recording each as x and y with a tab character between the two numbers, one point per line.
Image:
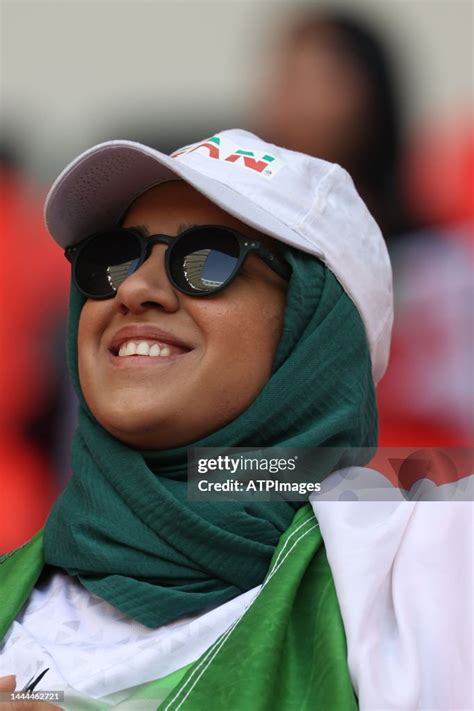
124	525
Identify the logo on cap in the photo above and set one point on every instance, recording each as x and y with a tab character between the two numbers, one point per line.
220	148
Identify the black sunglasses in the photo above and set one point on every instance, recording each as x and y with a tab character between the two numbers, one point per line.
201	261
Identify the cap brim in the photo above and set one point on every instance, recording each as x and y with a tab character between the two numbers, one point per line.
95	190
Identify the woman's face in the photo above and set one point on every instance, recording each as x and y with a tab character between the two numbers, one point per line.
318	99
221	347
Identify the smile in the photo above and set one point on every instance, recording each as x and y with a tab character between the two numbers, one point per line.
146	345
150	348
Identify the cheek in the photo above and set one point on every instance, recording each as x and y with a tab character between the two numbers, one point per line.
92	322
241	342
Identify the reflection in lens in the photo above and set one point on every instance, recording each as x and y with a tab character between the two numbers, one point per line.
204	259
106	261
117	273
208	269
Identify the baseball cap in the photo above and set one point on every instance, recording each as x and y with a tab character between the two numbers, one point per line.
303	201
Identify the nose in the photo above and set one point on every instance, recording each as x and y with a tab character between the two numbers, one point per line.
148	287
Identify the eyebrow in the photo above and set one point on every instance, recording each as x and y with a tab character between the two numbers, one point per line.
185	226
182	228
143	229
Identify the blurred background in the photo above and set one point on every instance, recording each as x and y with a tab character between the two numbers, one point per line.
383	87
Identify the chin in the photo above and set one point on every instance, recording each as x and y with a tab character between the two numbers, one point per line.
137	439
135	428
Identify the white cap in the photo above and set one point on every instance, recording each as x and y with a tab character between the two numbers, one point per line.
300	200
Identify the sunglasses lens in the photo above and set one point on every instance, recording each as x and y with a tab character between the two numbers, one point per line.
106	261
204	260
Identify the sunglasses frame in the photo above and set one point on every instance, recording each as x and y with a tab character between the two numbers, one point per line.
246	246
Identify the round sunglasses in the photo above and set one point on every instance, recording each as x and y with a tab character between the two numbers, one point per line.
200	261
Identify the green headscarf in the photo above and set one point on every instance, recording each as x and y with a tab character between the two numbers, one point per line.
124	525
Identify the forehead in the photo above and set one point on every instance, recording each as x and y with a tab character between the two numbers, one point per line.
169	206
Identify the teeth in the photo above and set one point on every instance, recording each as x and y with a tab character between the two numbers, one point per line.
143	348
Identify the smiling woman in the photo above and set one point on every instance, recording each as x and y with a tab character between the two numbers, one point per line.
234	294
214	355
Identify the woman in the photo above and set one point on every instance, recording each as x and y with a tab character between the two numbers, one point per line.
234	294
331	90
